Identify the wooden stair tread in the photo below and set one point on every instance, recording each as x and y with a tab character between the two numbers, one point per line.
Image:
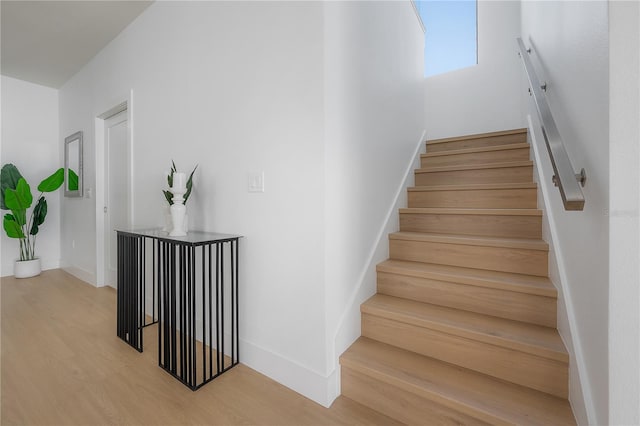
476	394
477	136
530	284
517	243
468	211
535	339
475	150
471	187
453	168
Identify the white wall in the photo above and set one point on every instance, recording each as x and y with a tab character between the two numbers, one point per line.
570	45
30	141
238	87
486	97
624	207
233	87
374	113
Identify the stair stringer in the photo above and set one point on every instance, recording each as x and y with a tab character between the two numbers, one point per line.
580	396
348	326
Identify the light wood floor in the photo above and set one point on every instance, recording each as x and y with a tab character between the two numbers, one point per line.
62	364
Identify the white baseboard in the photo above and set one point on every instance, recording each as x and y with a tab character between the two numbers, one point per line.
82	274
289	373
50	264
348	329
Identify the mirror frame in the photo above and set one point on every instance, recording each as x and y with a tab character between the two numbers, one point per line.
67	142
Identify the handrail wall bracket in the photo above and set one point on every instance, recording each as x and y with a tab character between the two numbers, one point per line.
580	177
568	182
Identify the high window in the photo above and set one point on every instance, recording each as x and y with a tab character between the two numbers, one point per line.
451	34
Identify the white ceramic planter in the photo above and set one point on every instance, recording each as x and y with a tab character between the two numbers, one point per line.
27	268
168	221
178	214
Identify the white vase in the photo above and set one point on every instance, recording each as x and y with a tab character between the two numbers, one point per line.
168	223
178	213
27	268
178	209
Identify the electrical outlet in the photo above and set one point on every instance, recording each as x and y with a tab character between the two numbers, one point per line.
256	182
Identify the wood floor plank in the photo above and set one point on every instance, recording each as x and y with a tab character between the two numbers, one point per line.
519	297
523	368
516	243
484	155
62	364
539	340
512	172
478	395
520	256
521	132
477	140
491	196
394	401
508	223
501	280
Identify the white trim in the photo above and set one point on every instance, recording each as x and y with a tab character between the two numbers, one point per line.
345	335
81	274
415	9
99	165
576	344
99	126
50	264
289	373
113	111
132	159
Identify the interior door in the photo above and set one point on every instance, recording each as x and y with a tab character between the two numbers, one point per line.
117	179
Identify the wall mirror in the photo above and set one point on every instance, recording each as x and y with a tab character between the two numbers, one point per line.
73	165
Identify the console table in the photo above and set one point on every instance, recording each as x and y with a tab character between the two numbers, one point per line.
193	281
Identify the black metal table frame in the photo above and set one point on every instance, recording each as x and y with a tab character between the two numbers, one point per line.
175	284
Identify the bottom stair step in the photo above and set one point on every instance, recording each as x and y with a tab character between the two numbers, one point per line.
416	389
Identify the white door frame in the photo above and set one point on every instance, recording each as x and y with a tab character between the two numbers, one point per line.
127	104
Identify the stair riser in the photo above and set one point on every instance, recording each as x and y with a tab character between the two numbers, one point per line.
512	305
516	226
519	261
479	198
477	143
525	369
519	174
393	401
489	157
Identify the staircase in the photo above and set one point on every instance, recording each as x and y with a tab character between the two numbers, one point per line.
463	327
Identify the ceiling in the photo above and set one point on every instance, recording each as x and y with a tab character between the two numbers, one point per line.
47	42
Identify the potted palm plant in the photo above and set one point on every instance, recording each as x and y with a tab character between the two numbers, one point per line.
17	198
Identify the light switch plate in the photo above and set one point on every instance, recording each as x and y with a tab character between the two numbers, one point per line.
256	182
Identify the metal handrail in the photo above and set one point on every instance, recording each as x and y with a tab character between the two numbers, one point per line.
567	181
